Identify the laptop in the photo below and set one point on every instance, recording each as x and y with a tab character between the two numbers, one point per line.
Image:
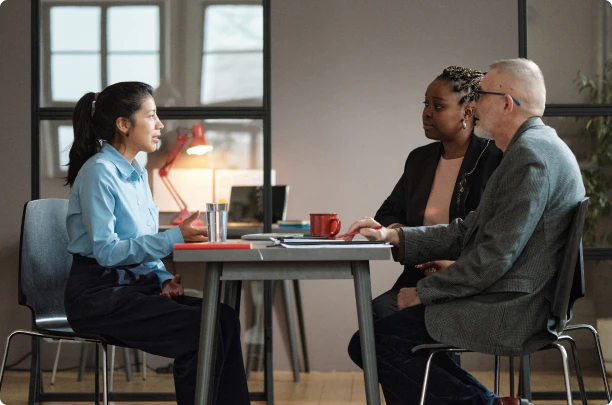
246	205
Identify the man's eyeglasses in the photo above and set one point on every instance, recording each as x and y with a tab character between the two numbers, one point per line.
479	92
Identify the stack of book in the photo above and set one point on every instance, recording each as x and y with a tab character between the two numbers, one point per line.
293	223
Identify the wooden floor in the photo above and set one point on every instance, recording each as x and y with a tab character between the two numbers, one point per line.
316	388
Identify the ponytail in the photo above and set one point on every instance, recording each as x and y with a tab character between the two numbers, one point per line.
86	143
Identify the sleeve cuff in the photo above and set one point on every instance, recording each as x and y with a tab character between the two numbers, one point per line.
401	246
174	235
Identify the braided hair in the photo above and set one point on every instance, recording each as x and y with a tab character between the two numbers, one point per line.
464	80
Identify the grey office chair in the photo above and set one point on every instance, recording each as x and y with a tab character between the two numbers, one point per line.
44	265
569	286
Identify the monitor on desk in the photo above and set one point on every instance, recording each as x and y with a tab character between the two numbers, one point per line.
246	205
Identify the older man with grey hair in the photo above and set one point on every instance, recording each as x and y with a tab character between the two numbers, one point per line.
492	299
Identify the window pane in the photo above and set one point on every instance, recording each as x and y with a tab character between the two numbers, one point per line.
64	141
142	68
233	28
74	75
55	141
75	29
232	64
561	52
133	28
234	78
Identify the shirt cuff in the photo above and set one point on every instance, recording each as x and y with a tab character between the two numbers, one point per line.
174	235
398	252
163	276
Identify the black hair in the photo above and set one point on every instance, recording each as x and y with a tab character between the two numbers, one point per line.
464	80
94	120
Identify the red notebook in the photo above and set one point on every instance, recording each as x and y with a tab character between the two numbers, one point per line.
212	245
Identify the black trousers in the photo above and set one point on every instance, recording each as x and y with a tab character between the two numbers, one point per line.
123	304
401	373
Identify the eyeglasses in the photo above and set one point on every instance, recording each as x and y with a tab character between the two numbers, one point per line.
479	92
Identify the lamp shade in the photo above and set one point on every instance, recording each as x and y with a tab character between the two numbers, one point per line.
198	145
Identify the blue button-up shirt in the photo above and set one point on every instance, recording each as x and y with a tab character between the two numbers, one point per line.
112	217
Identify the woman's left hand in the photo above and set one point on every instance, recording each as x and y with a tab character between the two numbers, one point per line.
189	232
173	288
367	227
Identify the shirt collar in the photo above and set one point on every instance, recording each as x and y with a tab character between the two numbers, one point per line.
127	170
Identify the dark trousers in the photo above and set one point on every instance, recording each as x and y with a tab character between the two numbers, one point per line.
142	319
401	373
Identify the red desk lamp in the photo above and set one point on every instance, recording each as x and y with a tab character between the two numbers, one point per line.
198	146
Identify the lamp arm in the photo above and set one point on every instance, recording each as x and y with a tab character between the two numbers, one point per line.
175	195
175	152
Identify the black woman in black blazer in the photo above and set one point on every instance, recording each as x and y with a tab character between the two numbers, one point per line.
407	202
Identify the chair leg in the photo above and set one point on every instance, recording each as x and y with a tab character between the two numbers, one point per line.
35	373
97	374
6	350
128	364
566	375
111	384
577	367
602	363
57	354
511	374
144	365
426	377
83	365
104	374
496	380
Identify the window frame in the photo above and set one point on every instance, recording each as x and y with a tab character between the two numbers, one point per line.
45	44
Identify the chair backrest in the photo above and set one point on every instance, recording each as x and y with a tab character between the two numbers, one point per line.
44	260
569	283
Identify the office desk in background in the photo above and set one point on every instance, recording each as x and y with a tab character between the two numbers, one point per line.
275	263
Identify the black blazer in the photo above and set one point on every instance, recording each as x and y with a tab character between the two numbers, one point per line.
407	202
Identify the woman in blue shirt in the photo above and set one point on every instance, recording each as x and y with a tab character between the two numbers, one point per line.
118	286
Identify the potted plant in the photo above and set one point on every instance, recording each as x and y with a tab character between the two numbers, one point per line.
597	177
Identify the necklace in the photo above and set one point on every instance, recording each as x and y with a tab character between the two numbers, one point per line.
464	176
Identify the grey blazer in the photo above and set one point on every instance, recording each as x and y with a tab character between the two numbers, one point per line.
496	297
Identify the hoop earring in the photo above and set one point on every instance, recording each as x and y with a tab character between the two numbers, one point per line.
463	124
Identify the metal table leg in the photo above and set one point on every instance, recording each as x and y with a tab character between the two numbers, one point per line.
208	334
363	295
525	378
302	328
288	298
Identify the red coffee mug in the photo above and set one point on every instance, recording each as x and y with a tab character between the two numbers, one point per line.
327	225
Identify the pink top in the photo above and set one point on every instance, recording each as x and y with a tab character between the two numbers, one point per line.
436	211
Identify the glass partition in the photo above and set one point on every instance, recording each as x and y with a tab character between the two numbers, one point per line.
565	37
236	159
